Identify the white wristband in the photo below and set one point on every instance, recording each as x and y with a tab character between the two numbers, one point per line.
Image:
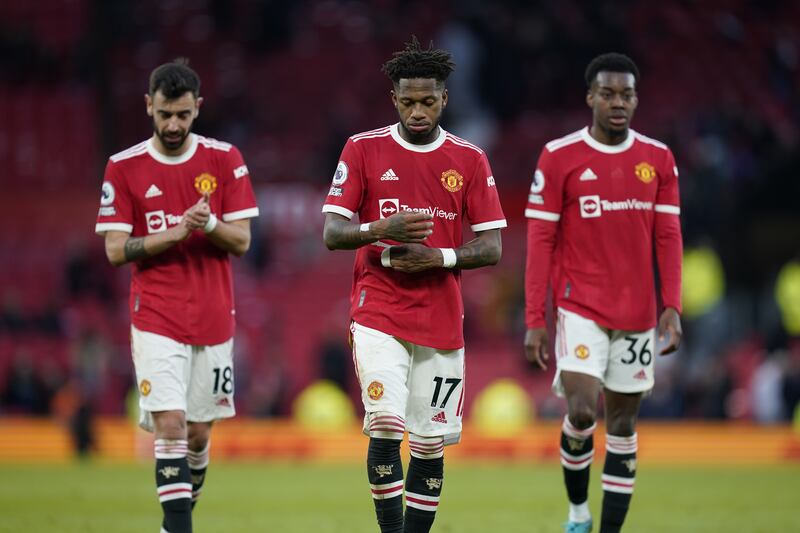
364	227
211	224
448	257
386	260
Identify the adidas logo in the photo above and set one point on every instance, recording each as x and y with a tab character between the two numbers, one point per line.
588	175
389	175
224	402
641	374
152	192
440	418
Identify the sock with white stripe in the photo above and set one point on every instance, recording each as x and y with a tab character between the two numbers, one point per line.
423	482
198	464
577	453
619	476
174	484
385	473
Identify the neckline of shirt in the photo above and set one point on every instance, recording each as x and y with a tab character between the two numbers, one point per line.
423	148
608	148
170	159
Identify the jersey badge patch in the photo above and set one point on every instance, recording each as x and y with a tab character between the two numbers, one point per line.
205	183
375	390
645	172
107	194
582	352
452	180
145	387
340	176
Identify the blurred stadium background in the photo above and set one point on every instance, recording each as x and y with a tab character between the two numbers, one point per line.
287	82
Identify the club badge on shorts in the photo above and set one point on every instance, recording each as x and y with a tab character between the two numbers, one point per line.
144	387
205	183
375	390
581	351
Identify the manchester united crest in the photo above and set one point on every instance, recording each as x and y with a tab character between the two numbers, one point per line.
144	387
645	172
452	180
581	351
205	183
375	390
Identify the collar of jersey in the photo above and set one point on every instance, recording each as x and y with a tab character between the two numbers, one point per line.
608	148
430	147
173	160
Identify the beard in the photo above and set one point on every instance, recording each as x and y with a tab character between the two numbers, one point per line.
421	138
172	144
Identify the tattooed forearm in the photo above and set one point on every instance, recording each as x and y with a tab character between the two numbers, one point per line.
482	251
344	235
134	249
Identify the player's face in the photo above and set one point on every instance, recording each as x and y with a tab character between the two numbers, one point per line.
419	102
613	100
172	119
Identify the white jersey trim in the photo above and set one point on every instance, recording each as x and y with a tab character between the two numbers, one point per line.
543	215
394	130
461	142
339	210
173	160
648	140
102	227
239	215
133	151
214	144
668	209
492	224
380	132
556	144
608	148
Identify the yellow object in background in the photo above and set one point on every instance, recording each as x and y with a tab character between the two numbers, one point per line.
502	409
787	294
703	281
323	405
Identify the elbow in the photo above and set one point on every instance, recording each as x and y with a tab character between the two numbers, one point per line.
115	257
496	254
241	248
328	239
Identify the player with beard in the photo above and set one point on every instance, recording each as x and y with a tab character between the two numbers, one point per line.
412	185
604	200
175	207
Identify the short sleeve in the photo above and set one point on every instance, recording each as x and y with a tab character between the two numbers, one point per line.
344	196
116	207
238	199
668	198
545	197
484	211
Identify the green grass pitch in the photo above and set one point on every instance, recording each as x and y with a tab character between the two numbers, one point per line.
311	498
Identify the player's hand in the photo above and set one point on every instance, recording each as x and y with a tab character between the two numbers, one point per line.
669	323
412	258
197	216
536	342
404	227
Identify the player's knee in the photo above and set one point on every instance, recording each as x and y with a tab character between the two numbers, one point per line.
383	450
170	424
582	417
426	447
385	425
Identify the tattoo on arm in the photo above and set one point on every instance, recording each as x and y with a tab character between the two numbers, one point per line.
134	249
345	235
478	253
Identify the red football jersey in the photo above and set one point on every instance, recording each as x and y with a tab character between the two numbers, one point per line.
380	174
596	213
185	292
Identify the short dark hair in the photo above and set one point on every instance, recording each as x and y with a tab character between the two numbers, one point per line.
610	62
174	79
416	62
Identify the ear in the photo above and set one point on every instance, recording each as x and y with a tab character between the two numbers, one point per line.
590	99
197	106
148	102
394	99
444	98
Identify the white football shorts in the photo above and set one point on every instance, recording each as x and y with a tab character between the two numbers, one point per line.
622	360
423	385
173	376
